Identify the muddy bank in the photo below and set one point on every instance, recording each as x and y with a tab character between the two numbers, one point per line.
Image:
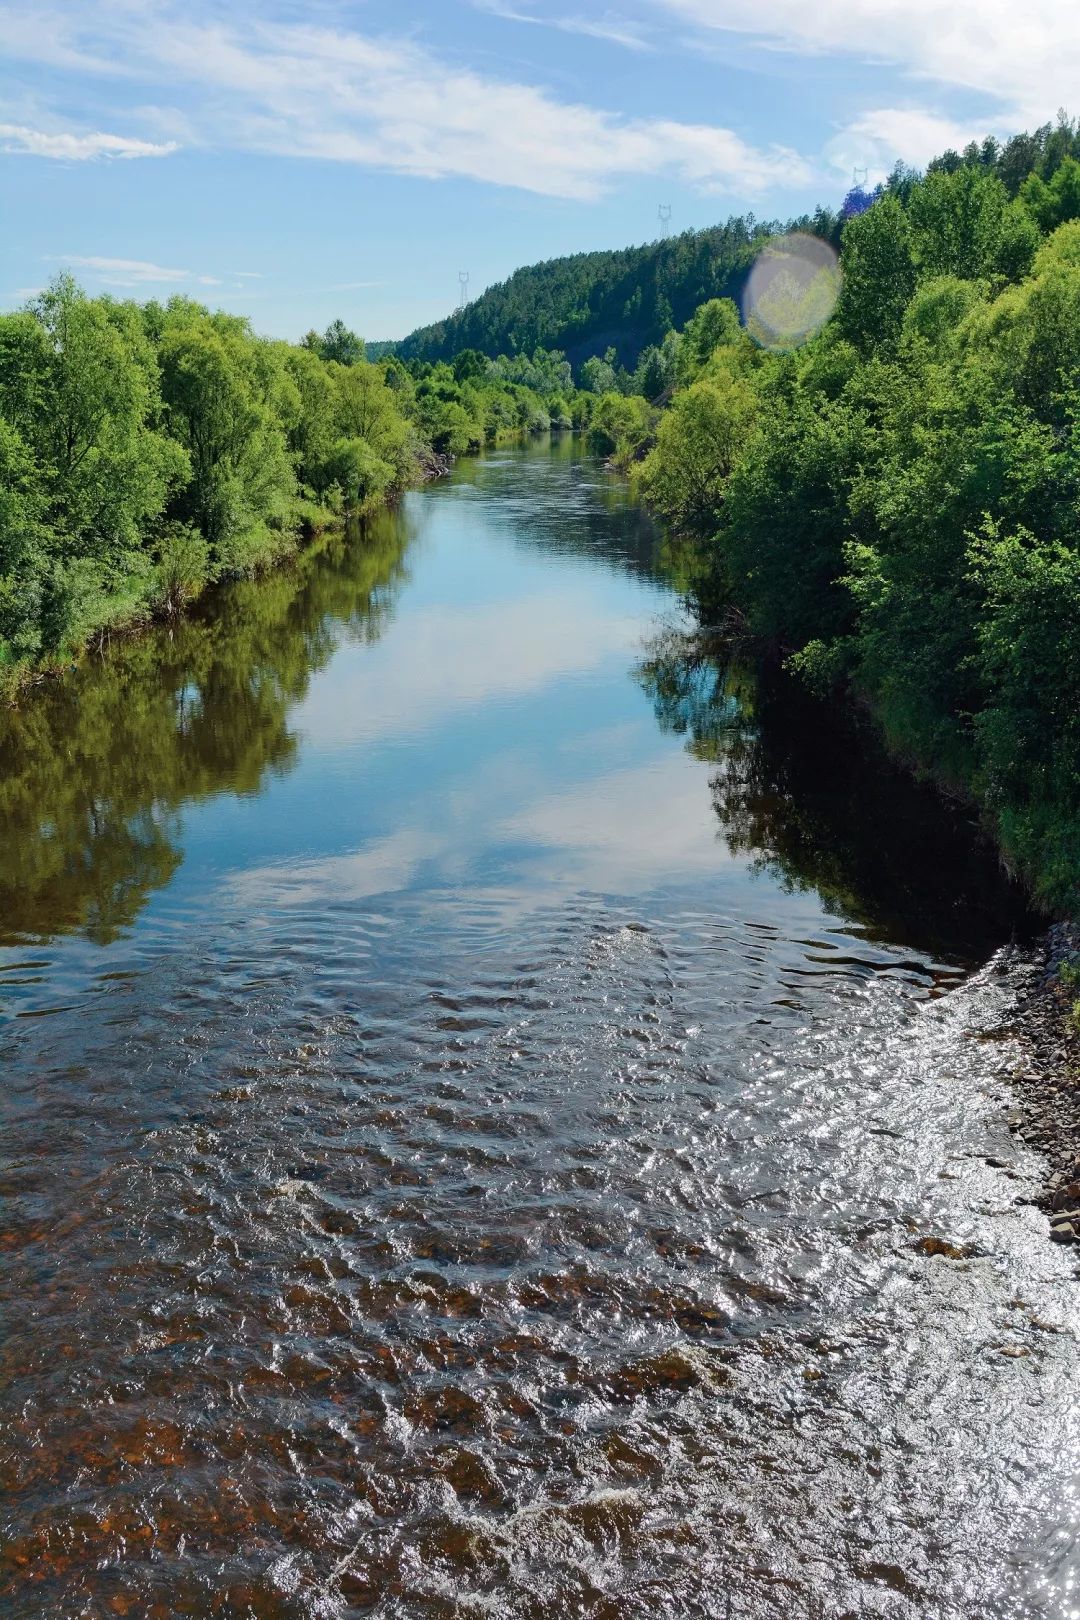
1048	1077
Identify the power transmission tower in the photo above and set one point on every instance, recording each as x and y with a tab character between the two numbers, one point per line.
859	177
663	214
463	281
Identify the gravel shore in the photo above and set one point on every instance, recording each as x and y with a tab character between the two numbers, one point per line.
1048	1077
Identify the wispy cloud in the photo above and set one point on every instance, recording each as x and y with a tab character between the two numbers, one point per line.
299	90
121	272
78	148
609	27
131	272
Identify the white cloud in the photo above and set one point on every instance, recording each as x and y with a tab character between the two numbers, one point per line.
383	866
624	831
1027	57
609	27
613	830
77	148
469	657
121	272
131	272
299	90
876	140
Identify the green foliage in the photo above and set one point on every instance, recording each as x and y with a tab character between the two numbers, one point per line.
956	222
715	325
657	369
897	507
598	374
147	451
1028	658
337	343
1068	974
879	275
699	441
590	303
182	568
1055	202
478	401
228	405
621	427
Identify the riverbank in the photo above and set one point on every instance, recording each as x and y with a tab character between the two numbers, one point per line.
1047	1028
311	523
839	774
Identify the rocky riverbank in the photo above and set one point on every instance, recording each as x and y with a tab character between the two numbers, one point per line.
1048	1078
434	464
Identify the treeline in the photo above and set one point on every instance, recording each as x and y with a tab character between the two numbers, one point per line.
148	450
477	401
589	303
894	508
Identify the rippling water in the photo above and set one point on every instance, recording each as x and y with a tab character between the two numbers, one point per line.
478	1082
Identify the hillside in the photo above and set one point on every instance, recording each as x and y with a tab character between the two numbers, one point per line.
623	299
628	298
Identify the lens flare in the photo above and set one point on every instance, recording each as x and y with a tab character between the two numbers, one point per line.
791	291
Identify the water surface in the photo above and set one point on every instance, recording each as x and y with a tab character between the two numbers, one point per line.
477	1078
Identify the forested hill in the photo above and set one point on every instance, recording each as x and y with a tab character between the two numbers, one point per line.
624	299
629	298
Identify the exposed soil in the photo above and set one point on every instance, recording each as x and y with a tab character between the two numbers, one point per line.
1048	1078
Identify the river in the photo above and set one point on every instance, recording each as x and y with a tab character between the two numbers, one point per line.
478	1083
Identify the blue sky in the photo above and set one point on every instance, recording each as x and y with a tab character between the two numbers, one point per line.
349	157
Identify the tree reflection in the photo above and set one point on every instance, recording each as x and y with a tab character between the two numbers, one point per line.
807	794
94	769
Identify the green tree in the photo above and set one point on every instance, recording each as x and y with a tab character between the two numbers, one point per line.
314	431
698	443
879	275
224	392
1055	202
957	222
24	549
598	374
338	343
621	426
715	325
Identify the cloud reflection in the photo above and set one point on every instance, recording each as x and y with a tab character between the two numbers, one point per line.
618	831
449	659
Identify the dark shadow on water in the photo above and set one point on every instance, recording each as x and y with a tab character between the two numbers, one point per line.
806	792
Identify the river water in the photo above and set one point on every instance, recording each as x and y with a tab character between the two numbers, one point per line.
477	1080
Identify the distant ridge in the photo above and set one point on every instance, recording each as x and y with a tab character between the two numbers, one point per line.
623	298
